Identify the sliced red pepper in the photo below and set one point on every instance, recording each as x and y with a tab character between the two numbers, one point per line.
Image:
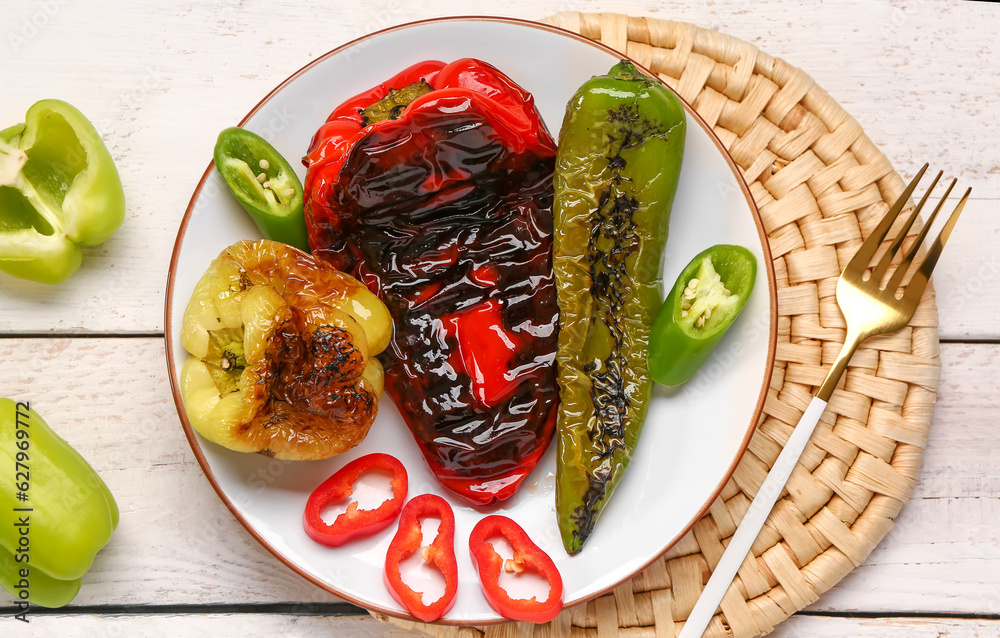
440	553
354	522
527	556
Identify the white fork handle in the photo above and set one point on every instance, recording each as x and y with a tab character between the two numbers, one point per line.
750	526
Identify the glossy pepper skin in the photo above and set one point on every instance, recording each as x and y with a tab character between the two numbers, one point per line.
354	522
527	556
444	209
709	294
59	189
440	553
273	201
68	516
620	153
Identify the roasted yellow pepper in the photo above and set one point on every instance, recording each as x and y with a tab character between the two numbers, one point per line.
282	353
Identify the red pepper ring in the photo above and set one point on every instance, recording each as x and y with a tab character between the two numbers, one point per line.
440	553
354	522
527	556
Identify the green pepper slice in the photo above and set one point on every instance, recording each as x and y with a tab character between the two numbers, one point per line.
709	294
264	184
617	169
59	189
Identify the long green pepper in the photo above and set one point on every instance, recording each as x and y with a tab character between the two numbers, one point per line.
619	161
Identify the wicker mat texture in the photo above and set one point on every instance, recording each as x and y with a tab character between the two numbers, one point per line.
821	186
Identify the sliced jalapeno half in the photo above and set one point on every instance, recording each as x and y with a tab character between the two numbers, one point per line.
264	184
709	294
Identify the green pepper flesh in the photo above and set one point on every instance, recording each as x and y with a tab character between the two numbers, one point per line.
68	513
59	189
704	302
264	184
620	153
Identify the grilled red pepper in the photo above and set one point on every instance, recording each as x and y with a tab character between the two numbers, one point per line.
527	556
435	189
441	553
354	522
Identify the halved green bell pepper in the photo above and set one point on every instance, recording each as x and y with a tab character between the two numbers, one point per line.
59	188
55	511
706	299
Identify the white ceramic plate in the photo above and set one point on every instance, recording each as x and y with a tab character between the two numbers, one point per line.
692	438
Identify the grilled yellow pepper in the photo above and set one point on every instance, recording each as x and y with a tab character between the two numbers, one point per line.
282	353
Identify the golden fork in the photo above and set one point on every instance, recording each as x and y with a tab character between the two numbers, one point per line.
869	308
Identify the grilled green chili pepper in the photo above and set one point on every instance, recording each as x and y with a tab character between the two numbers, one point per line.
264	184
708	296
55	511
619	160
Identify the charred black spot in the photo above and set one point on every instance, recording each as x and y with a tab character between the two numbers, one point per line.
614	224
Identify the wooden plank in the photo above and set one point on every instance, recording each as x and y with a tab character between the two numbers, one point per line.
919	77
236	625
217	625
178	544
826	627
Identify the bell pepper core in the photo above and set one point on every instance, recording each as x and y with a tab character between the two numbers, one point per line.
67	516
527	556
59	188
354	522
441	553
264	184
709	294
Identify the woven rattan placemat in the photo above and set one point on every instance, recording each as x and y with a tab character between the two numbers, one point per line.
821	186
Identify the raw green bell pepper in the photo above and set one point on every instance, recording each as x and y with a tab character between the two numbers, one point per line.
617	170
264	184
55	511
706	299
59	188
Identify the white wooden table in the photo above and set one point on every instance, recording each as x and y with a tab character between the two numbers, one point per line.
160	80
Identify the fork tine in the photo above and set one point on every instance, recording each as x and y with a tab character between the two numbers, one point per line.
904	265
883	264
916	286
864	255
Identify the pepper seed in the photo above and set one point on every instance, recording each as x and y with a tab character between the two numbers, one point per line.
264	164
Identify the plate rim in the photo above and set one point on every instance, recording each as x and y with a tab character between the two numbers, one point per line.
172	371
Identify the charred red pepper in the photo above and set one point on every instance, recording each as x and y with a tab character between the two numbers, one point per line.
354	522
435	189
441	553
527	556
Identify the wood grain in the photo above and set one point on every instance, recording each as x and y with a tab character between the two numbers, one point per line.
232	625
178	544
162	79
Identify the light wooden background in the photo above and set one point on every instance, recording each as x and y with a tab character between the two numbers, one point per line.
161	79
